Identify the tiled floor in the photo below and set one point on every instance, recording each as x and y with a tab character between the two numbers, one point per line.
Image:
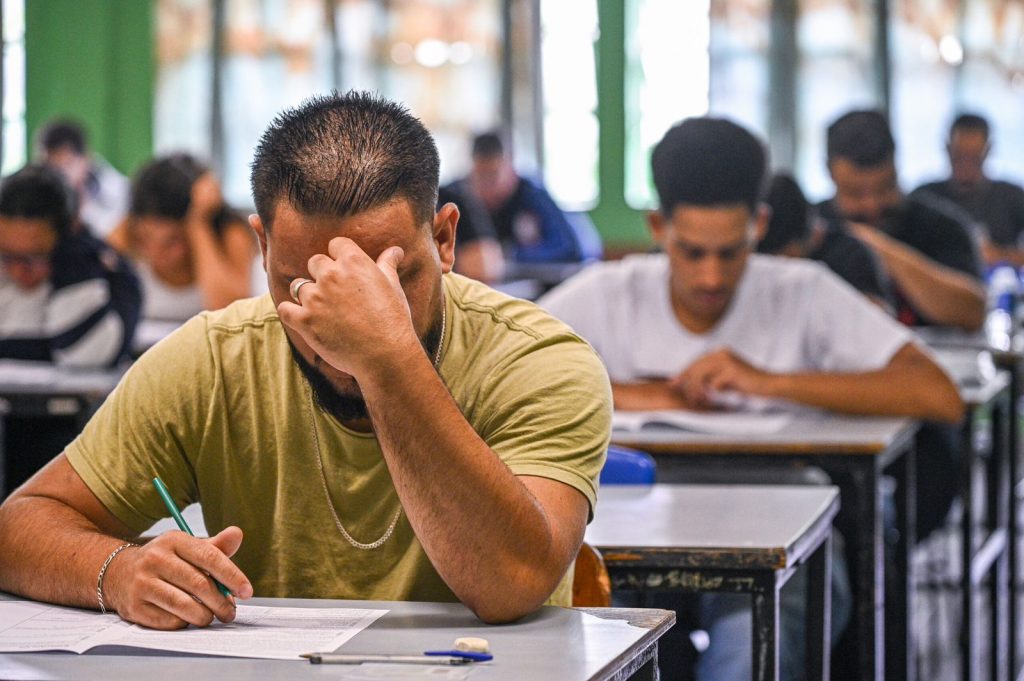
938	609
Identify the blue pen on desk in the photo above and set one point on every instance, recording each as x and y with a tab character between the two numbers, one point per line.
161	488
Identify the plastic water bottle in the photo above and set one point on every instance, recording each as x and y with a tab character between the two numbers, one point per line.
1003	293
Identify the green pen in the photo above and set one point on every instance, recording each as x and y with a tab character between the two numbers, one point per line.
165	494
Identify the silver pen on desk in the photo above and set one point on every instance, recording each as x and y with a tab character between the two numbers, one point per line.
340	658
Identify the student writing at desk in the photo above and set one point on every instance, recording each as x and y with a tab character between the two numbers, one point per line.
713	321
378	427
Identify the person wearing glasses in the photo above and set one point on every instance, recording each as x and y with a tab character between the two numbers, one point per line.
65	296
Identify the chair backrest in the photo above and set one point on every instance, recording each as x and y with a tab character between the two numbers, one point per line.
628	467
591	586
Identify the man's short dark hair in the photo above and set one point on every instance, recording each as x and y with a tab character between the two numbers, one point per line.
708	162
344	154
63	134
790	220
163	187
488	145
861	137
972	122
38	192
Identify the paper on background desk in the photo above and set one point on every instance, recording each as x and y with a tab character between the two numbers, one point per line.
724	423
257	632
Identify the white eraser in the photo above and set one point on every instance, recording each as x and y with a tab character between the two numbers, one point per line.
470	644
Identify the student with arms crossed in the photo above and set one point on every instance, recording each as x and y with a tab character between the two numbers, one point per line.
378	427
708	322
923	242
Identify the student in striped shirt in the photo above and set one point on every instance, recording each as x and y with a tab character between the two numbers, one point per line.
65	296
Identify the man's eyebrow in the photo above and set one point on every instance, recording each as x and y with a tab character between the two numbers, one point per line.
682	243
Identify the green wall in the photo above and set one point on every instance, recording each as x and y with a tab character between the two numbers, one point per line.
93	60
620	226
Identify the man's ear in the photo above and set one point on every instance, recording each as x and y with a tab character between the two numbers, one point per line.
446	222
261	235
761	220
657	224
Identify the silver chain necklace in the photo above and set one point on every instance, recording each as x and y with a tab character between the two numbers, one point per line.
323	477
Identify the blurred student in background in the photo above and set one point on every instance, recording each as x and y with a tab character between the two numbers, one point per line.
477	249
193	252
795	229
528	223
102	191
65	296
997	206
930	258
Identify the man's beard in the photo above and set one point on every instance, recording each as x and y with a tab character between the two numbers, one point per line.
350	407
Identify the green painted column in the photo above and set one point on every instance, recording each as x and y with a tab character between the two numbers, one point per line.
93	60
621	226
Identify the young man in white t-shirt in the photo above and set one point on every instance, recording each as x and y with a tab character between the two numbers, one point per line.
708	324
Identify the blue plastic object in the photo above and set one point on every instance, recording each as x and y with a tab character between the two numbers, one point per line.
627	467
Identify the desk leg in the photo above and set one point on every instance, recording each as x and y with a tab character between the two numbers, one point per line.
819	611
765	606
649	670
1013	472
902	660
999	511
869	571
968	638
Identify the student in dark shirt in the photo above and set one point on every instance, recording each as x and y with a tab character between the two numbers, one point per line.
477	249
924	244
796	230
530	226
997	206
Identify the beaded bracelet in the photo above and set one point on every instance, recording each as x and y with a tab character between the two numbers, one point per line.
103	571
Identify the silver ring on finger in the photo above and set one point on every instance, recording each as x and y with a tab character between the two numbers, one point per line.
298	283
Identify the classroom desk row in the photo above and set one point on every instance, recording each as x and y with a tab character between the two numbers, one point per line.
855	452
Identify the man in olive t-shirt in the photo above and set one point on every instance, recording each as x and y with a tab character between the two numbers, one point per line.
378	427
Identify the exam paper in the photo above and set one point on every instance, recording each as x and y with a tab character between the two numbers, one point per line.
257	632
724	423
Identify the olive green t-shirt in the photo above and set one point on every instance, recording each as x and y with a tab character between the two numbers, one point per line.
222	414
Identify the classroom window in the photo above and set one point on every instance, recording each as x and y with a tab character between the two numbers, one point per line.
442	59
276	54
184	76
834	44
667	79
991	79
15	153
927	52
569	75
739	80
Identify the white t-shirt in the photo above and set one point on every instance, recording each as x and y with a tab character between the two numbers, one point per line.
787	316
164	302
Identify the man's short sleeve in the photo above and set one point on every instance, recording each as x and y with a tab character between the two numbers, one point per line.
847	332
547	413
151	425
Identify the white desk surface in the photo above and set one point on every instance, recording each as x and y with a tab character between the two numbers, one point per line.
805	434
39	378
713	525
553	643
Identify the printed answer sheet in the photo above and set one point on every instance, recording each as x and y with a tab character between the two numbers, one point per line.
257	632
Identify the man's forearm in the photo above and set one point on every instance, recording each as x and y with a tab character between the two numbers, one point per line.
646	396
50	551
943	295
478	523
880	393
